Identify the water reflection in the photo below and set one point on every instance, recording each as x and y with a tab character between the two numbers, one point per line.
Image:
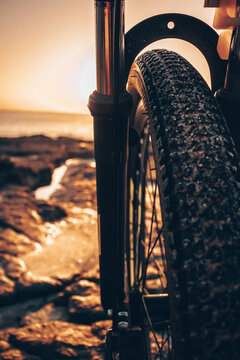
45	192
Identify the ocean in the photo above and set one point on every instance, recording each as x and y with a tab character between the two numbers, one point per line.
21	123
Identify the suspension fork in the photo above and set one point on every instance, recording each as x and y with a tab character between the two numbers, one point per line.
110	106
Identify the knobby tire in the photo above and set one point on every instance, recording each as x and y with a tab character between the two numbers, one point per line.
197	173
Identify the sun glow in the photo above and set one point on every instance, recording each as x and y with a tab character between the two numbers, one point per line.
87	78
60	81
47	50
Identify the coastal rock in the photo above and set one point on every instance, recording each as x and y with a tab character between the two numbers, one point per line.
4	345
25	215
15	243
18	313
15	267
49	276
57	150
19	213
14	354
49	312
31	284
50	212
6	285
6	167
100	328
52	340
82	287
92	274
78	184
25	171
30	161
85	309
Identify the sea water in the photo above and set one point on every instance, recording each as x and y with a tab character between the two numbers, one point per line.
20	123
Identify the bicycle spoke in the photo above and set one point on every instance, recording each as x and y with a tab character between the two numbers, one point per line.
150	238
151	326
164	339
148	254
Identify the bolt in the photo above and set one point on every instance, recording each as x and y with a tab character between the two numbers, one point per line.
123	325
123	320
109	313
115	355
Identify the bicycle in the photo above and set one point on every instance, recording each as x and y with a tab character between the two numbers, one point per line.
168	187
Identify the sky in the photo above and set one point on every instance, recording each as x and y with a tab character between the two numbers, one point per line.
47	49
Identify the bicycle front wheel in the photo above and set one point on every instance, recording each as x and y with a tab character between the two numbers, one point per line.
183	235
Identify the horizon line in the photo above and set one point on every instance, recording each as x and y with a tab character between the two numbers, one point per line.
45	112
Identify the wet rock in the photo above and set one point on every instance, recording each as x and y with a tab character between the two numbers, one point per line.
78	184
7	286
84	302
92	274
85	309
49	312
15	267
14	354
49	211
4	345
14	243
6	167
29	161
19	213
23	214
26	287
34	285
45	246
14	315
154	285
26	171
100	328
82	287
57	149
54	340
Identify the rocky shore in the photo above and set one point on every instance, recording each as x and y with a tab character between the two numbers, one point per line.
49	279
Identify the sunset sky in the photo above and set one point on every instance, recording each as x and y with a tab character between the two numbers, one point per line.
47	49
